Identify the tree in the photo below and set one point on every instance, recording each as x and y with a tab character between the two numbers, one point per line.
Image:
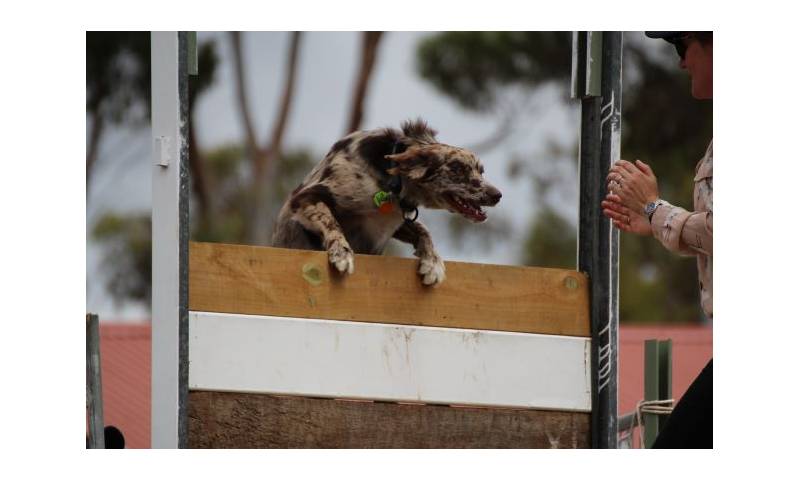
117	85
236	189
118	93
369	52
484	71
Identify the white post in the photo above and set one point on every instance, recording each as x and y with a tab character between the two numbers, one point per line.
169	235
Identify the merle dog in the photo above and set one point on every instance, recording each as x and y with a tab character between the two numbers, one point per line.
367	189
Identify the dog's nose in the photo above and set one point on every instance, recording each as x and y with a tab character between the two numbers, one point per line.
494	195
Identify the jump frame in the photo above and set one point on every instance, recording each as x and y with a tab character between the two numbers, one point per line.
183	286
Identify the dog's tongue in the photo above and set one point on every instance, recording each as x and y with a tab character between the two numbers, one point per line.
476	214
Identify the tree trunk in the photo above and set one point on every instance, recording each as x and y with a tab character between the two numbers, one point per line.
199	182
279	128
265	168
369	50
98	125
244	102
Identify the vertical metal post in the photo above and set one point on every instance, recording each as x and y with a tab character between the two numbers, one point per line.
170	224
94	383
599	55
651	390
657	384
664	376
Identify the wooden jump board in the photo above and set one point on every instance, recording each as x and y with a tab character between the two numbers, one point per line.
280	345
240	420
300	283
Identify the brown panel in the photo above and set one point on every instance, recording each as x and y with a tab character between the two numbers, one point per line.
300	283
237	420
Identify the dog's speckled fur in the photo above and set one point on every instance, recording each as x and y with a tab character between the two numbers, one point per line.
333	208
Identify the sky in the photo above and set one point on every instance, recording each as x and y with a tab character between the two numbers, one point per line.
326	74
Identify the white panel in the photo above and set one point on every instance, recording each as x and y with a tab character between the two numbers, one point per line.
325	358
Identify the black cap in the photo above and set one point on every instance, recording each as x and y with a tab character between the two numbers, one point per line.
671	37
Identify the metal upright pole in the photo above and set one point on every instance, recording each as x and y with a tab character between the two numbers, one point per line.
170	235
94	383
597	82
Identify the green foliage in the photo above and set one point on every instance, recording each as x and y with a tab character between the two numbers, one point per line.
551	242
662	124
487	235
229	179
207	63
473	67
118	75
127	241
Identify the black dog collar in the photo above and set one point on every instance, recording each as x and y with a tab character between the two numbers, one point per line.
395	187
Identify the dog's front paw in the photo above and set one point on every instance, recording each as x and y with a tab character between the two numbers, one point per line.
431	267
341	256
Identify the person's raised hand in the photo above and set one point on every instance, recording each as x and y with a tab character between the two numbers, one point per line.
634	184
624	218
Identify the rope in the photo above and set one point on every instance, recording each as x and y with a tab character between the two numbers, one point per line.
656	407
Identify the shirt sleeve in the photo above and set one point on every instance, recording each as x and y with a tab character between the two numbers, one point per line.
683	232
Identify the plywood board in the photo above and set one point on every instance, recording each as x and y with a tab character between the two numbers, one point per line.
299	283
237	420
324	358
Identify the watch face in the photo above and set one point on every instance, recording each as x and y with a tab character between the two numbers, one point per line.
648	209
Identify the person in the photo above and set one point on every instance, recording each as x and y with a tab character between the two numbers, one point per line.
634	206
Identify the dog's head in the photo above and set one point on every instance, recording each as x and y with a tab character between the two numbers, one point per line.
445	177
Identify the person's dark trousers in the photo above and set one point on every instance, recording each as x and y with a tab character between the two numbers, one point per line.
691	423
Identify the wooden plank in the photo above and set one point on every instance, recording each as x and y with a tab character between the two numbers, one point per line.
237	420
334	358
299	283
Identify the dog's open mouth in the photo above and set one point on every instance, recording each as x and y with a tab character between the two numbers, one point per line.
469	209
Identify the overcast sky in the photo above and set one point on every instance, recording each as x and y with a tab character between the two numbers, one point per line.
327	69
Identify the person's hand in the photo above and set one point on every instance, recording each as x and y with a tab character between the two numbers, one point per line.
623	218
634	184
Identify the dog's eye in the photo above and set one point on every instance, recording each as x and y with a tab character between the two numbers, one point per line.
458	168
475	183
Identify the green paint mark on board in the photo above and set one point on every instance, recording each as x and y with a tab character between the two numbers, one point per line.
312	274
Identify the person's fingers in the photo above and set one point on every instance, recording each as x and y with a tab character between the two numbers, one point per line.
617	216
617	179
618	170
617	207
614	175
626	166
645	168
610	202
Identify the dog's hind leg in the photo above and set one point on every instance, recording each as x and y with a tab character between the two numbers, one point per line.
431	266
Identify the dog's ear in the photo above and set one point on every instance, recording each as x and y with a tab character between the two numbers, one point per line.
413	154
413	163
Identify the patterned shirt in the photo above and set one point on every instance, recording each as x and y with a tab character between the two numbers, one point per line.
691	233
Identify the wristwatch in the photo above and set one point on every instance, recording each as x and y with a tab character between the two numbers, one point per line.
651	207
